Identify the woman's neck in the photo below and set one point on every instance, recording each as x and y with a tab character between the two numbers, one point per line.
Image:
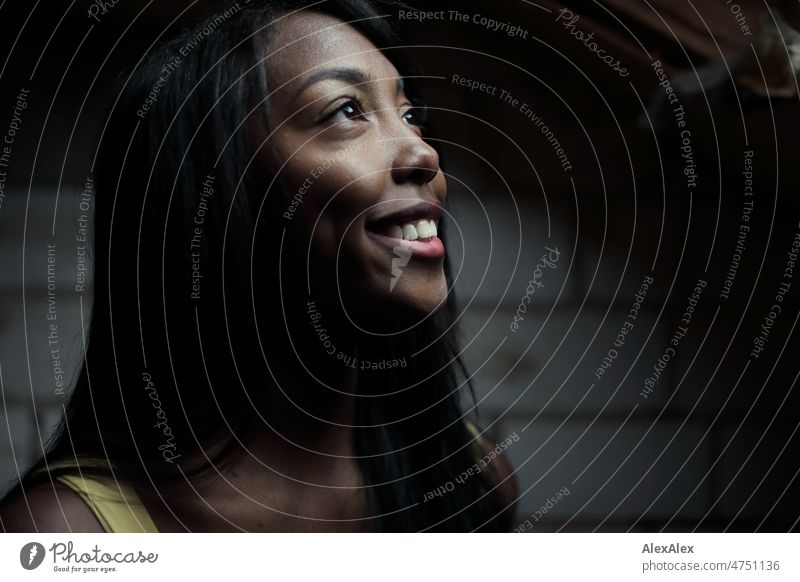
313	383
301	456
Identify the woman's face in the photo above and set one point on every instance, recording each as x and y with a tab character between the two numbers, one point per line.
365	191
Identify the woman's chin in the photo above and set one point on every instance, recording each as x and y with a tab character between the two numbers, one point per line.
399	307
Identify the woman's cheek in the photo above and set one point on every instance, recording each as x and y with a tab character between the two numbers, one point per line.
333	189
357	185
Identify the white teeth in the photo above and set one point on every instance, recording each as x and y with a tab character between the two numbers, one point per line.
420	229
409	232
424	229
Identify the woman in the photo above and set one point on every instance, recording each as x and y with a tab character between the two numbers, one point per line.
272	343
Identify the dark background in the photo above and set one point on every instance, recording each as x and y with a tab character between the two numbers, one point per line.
714	446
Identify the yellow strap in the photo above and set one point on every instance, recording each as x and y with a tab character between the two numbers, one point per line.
473	429
477	444
117	506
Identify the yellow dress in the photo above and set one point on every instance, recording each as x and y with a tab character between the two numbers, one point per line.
116	505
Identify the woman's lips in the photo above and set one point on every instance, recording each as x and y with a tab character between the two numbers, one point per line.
430	248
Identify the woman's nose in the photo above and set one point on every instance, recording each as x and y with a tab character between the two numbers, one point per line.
415	161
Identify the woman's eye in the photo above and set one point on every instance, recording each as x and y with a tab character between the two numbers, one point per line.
347	111
415	116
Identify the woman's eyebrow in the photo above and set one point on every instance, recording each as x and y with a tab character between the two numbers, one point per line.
348	74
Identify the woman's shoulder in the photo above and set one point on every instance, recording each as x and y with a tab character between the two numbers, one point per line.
47	506
73	495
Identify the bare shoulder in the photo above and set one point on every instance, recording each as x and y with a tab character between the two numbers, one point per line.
47	507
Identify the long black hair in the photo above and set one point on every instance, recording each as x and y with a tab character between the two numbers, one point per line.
176	145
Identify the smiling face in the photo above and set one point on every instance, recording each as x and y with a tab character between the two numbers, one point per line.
366	192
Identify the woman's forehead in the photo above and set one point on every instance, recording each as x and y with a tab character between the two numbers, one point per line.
302	43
